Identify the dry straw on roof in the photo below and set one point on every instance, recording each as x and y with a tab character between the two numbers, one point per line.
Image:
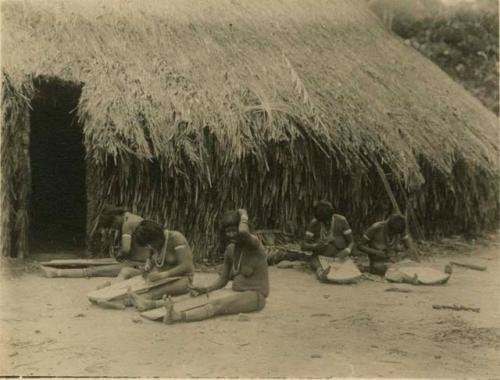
268	104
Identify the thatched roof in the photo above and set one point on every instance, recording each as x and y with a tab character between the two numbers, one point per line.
318	67
166	80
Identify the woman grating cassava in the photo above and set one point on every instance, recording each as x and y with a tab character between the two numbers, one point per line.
244	263
170	256
383	242
130	256
328	235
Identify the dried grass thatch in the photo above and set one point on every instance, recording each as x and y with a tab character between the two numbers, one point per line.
192	106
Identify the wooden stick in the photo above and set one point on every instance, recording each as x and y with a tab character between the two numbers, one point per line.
400	290
413	249
388	189
457	308
470	266
111	305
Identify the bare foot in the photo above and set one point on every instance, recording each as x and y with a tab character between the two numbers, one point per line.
104	285
127	302
323	274
139	302
171	315
48	271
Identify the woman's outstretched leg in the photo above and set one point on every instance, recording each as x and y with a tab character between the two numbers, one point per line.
175	288
321	274
239	302
124	274
98	271
152	298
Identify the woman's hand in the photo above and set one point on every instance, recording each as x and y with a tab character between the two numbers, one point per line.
197	290
344	253
393	256
320	246
154	276
148	266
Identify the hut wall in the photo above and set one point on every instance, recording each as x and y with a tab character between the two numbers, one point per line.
16	178
278	193
463	202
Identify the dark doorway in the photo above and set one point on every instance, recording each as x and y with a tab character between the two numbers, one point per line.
57	157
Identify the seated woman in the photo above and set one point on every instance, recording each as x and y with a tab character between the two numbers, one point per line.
117	218
327	235
244	263
382	241
170	257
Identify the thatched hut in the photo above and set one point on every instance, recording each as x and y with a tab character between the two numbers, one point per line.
178	109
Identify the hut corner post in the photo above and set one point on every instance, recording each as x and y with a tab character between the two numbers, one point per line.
16	184
22	215
91	184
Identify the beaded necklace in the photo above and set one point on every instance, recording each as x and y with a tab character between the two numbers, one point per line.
236	270
160	261
388	242
325	232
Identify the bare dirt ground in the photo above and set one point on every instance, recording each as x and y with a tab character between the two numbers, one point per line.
307	329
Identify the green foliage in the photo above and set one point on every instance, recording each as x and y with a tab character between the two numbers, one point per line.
463	41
